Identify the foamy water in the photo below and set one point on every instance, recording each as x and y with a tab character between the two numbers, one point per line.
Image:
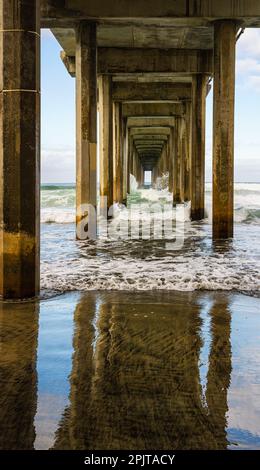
58	202
147	264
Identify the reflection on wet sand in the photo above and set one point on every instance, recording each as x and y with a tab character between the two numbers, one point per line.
135	374
18	392
148	370
219	370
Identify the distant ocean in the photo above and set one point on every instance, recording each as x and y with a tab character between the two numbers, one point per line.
70	265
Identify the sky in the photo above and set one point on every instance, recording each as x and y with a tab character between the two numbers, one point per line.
58	113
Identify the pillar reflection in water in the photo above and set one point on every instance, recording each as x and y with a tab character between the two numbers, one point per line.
135	375
219	371
18	391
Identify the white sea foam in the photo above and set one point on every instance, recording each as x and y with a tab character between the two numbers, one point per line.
58	202
145	265
150	264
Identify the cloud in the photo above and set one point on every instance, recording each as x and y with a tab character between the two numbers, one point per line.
247	66
254	81
249	44
248	60
58	164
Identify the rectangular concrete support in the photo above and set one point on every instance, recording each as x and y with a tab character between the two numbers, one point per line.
183	156
223	115
117	153
177	162
187	153
19	148
199	93
171	158
86	128
125	160
134	165
106	140
130	161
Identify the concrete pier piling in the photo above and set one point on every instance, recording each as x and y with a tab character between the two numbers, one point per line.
199	91
106	140
223	117
19	148
86	123
118	153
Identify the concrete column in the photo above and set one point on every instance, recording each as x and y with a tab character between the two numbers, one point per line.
154	174
183	157
117	153
223	116
164	159
86	124
19	148
106	139
129	161
125	159
171	158
160	166
187	153
136	167
177	162
167	156
199	93
141	169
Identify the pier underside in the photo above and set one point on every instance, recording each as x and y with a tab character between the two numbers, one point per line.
147	69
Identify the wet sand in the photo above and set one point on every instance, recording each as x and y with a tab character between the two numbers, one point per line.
131	370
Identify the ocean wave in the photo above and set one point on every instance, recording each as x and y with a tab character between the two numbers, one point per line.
55	187
58	202
62	216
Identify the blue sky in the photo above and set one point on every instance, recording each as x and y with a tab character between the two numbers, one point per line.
58	113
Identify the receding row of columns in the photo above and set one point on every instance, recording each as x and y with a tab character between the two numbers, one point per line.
20	141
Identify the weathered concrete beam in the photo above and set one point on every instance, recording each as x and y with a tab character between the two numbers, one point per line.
150	121
149	146
129	60
143	91
19	148
69	62
149	149
114	61
143	142
153	77
178	12
153	109
150	138
151	131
